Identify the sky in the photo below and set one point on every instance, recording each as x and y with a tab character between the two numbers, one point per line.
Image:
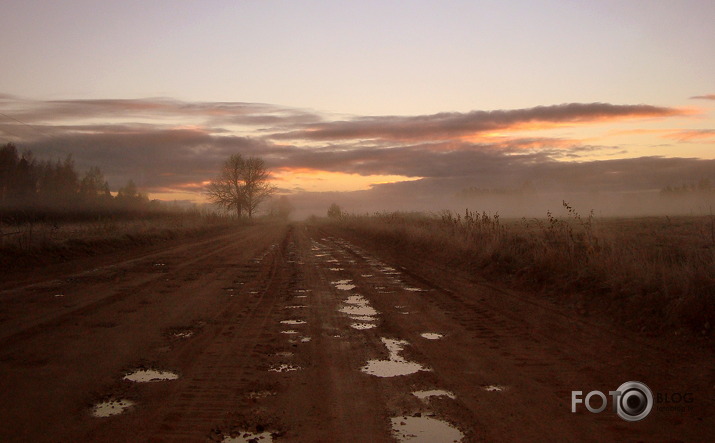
383	100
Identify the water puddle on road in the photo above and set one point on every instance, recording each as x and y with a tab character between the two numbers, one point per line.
343	285
431	335
284	368
362	326
424	429
249	437
395	365
494	388
111	407
424	395
150	375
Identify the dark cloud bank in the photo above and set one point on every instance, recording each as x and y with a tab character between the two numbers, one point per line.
510	176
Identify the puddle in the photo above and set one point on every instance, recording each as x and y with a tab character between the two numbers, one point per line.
424	429
362	326
343	285
424	395
293	322
249	437
359	309
395	365
284	368
362	317
431	335
111	407
150	375
494	388
289	331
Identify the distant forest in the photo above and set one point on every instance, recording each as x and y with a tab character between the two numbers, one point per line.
38	188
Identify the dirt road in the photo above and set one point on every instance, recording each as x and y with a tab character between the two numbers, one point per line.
298	334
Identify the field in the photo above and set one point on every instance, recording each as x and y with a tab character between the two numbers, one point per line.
356	328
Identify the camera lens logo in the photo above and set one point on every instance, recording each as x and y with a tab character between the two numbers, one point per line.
634	402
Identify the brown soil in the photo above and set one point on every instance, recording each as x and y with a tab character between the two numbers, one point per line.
69	333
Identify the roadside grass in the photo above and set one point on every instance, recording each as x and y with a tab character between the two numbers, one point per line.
32	244
653	274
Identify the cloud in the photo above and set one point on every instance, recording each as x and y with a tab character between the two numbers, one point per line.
452	125
692	135
169	145
704	97
215	113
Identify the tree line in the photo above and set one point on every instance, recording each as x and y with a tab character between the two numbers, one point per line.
28	183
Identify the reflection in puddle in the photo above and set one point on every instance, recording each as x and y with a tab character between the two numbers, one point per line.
423	395
424	429
365	310
111	407
343	285
284	368
432	335
249	437
293	322
150	375
494	388
362	325
395	364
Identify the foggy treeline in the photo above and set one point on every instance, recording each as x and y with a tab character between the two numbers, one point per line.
32	188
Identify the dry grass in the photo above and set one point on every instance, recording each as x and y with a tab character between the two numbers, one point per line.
33	244
650	273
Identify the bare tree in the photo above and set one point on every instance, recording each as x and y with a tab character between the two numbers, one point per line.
241	186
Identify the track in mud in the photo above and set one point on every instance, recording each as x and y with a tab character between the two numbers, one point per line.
295	334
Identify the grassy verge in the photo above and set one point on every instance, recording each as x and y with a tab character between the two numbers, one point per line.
652	274
33	244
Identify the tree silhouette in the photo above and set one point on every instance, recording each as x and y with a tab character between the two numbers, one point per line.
241	186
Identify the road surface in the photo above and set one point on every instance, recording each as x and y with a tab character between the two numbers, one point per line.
300	333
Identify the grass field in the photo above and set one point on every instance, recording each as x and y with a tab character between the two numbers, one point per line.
656	274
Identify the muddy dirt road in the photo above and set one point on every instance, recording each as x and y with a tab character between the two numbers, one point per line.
293	333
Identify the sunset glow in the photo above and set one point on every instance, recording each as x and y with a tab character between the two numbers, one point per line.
450	100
